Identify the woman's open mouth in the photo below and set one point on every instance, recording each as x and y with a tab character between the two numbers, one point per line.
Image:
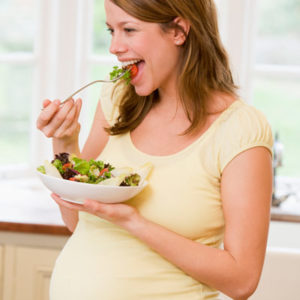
133	66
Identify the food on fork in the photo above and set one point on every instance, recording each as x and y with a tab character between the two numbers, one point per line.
130	68
70	167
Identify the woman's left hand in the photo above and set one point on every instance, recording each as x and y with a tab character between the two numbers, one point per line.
117	213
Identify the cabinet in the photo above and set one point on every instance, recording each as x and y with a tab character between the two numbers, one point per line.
26	264
1	271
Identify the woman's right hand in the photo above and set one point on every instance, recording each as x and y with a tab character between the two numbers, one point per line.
60	122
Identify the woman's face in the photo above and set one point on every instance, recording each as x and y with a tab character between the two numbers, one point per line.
155	50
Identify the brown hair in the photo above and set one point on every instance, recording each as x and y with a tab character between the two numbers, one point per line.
204	66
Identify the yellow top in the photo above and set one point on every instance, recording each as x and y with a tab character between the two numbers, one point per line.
103	261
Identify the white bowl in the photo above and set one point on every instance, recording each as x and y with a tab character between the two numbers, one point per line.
78	191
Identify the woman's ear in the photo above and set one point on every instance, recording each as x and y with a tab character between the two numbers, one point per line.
181	30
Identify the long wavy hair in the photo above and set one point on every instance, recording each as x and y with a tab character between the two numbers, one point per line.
203	62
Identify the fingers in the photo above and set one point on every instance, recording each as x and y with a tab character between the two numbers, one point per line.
47	114
59	121
64	203
75	126
70	124
78	107
90	206
68	121
114	212
109	211
58	118
95	207
46	103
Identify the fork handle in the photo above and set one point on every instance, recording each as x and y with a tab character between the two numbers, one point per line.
91	83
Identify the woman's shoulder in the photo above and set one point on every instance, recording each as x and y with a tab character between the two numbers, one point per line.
244	116
242	127
235	115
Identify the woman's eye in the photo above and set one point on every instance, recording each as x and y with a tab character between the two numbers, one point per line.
129	29
110	30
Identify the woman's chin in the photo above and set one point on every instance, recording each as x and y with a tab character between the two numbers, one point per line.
142	91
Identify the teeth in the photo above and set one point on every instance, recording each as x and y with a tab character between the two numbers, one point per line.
130	62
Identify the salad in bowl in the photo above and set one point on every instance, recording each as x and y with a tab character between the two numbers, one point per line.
76	179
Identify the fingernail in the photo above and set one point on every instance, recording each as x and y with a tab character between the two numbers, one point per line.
57	102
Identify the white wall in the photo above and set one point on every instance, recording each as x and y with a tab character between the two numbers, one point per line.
284	235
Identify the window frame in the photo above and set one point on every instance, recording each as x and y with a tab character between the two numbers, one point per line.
54	75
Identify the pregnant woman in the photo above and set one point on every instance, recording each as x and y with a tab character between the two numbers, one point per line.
201	224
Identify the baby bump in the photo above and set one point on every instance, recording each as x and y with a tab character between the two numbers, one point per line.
109	264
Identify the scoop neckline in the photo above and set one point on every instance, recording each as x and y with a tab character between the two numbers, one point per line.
190	146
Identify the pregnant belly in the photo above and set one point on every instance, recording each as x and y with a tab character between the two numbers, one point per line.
107	263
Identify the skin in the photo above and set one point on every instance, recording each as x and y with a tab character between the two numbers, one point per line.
129	42
61	124
234	270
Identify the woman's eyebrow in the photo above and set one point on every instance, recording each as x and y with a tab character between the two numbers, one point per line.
121	23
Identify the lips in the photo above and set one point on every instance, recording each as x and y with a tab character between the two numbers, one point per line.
133	66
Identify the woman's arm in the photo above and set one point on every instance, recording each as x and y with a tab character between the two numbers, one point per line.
246	188
61	123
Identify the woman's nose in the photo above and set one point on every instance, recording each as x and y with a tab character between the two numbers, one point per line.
117	45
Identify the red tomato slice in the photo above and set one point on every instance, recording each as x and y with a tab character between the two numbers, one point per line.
133	70
103	171
66	166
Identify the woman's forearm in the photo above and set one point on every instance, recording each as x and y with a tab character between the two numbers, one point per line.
214	267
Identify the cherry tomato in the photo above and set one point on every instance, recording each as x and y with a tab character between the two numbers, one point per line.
133	70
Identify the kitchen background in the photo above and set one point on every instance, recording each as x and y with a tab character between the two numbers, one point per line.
49	48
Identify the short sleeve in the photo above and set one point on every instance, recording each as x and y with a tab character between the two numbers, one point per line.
109	99
244	128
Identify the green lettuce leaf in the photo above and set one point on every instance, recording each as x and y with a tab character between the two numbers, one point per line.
58	164
81	165
41	169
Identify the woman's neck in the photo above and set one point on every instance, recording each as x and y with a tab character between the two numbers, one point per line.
169	104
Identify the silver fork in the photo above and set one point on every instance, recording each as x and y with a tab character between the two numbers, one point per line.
91	83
